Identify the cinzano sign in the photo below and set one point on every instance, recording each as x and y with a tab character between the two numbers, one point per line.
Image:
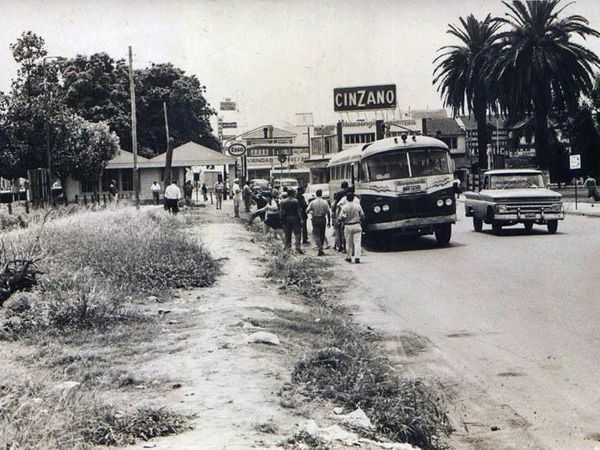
364	98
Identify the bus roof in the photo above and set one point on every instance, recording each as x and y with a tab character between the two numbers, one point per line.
361	151
395	143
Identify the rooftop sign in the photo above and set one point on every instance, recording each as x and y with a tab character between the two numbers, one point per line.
364	98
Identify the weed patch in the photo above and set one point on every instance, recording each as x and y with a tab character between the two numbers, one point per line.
346	365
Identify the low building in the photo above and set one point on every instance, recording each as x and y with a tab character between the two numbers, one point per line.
449	131
188	159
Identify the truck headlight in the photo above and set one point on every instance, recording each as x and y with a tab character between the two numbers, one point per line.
440	202
557	207
385	208
377	209
448	202
501	208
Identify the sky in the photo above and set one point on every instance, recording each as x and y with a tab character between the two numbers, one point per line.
275	58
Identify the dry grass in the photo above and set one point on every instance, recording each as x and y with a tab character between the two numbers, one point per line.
81	320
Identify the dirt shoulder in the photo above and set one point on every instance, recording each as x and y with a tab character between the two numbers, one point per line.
239	392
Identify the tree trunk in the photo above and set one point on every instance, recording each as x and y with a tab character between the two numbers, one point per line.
479	110
542	150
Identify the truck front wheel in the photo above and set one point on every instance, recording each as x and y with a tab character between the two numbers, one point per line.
496	227
552	226
477	224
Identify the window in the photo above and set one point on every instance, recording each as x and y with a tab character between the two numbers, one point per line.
359	138
516	181
107	176
387	166
428	162
126	180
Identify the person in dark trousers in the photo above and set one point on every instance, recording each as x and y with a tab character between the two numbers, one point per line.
113	190
303	206
291	219
188	189
155	189
247	194
339	227
172	197
321	217
261	199
204	192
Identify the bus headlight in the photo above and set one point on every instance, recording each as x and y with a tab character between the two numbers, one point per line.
440	202
385	208
448	202
377	209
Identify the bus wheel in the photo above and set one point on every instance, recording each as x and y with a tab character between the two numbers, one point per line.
443	233
477	224
552	226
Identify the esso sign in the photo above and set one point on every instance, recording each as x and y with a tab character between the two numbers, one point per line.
237	149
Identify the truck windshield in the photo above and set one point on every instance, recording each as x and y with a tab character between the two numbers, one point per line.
395	164
516	181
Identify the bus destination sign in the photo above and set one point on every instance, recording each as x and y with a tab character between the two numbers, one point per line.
364	98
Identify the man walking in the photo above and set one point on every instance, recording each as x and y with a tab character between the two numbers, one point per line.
247	197
219	188
291	218
303	206
237	197
592	189
172	197
351	214
339	228
321	217
155	189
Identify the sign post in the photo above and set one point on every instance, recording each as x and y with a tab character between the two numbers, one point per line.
282	158
575	164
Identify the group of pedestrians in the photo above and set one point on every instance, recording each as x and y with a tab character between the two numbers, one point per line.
286	216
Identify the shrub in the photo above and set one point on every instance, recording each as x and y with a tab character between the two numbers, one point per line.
139	253
64	304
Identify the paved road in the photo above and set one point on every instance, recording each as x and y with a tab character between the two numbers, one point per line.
511	325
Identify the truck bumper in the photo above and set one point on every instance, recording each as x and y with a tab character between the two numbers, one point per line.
529	217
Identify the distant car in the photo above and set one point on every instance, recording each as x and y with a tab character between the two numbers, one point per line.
311	191
280	183
259	184
508	197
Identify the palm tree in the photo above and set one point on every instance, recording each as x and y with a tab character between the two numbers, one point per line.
461	73
538	66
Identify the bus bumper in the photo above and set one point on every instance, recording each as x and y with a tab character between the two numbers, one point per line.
416	223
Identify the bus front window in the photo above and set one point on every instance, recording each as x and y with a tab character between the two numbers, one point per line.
429	162
389	166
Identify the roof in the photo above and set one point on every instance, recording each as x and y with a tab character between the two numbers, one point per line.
442	126
471	124
509	171
124	160
192	154
258	133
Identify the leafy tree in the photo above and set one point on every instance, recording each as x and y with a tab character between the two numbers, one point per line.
539	67
97	88
461	73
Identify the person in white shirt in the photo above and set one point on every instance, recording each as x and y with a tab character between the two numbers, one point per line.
237	197
172	196
155	189
351	214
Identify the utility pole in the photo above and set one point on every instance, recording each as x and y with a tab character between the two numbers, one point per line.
169	157
136	181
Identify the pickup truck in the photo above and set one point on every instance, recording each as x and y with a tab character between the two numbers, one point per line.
512	196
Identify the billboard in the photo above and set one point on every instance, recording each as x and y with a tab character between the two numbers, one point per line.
227	105
228	124
364	98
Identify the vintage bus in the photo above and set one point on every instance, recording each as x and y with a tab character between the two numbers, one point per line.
405	185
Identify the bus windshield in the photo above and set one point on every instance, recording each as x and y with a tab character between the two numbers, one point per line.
395	164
